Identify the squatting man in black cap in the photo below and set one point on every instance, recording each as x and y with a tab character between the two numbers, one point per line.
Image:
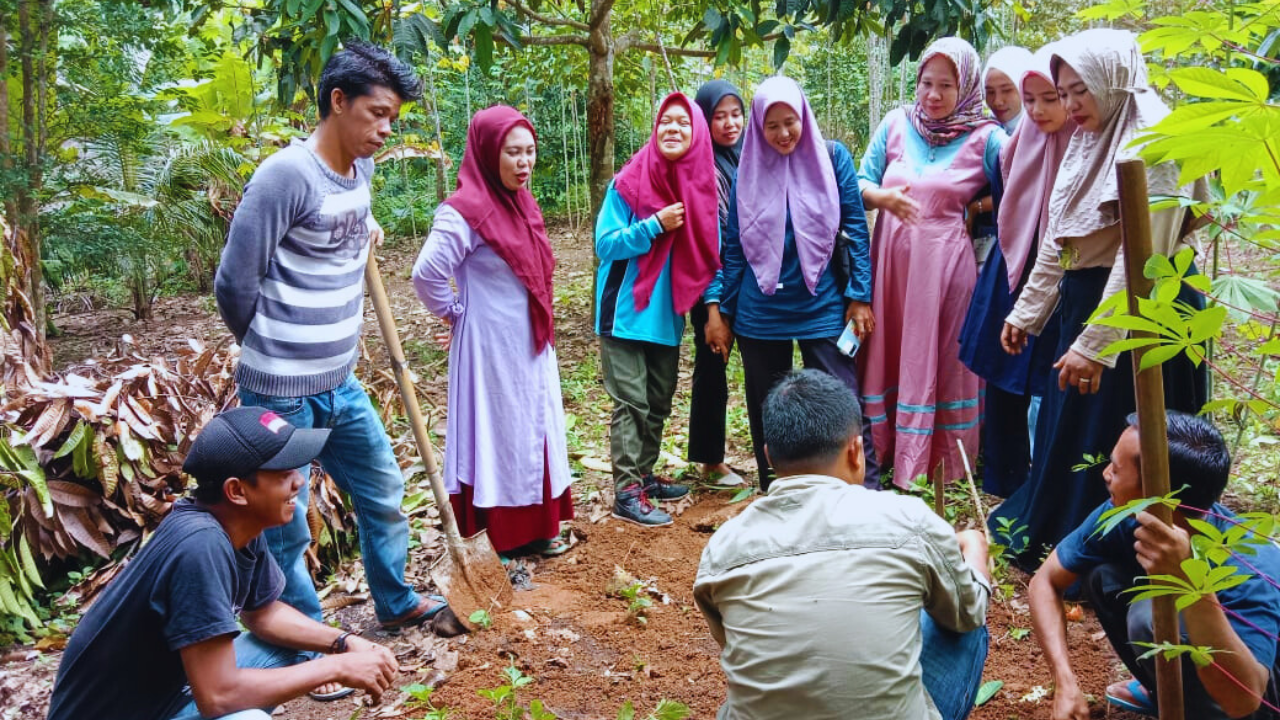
162	641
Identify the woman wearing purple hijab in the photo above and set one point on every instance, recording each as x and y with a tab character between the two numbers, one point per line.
925	163
797	268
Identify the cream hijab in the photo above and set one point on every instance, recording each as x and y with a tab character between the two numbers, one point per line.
1086	193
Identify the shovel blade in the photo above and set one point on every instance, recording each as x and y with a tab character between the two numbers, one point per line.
471	577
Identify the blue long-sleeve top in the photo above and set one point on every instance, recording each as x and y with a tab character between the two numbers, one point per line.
621	239
792	313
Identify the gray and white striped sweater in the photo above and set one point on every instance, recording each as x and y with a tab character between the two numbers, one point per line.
291	282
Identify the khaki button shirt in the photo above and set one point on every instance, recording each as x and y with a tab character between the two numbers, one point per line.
814	594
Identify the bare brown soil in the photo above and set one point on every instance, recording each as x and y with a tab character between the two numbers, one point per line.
586	654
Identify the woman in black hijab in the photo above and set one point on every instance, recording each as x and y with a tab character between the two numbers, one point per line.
722	105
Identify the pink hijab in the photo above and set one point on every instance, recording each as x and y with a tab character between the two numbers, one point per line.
771	185
650	182
1030	165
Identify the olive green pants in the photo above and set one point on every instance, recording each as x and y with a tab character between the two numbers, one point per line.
641	379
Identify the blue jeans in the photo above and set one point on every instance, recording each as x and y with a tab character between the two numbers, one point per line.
951	663
250	653
359	458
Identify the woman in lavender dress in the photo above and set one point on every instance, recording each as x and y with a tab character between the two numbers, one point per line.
506	464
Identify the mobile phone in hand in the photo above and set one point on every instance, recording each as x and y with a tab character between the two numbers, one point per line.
848	342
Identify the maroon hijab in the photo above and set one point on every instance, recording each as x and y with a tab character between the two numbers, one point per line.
650	182
510	222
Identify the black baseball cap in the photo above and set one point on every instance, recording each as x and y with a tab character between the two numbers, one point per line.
244	440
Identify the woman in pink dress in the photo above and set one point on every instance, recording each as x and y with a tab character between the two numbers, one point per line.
924	165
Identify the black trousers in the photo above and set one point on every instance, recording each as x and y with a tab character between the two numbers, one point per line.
1006	446
1127	623
709	397
764	362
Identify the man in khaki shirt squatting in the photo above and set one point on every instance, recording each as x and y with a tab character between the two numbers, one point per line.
833	601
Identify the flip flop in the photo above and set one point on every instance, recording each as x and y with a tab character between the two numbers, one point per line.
331	696
1141	702
414	618
729	479
557	545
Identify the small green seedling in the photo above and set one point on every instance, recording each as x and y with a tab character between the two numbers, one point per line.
420	699
506	700
482	618
637	604
1019	633
666	710
1091	460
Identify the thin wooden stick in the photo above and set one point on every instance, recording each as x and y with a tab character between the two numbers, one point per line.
940	489
1135	225
973	487
667	62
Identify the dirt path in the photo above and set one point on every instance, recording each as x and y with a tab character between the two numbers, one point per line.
586	653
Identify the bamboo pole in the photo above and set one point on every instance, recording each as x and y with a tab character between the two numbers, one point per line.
565	160
1135	224
940	489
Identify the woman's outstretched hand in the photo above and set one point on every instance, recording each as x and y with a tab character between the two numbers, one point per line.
896	201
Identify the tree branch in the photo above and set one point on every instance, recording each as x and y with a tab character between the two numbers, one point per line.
632	40
600	10
674	51
554	40
547	20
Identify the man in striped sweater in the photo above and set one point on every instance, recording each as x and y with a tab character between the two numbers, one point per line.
290	288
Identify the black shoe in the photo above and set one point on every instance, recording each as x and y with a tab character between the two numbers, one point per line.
632	505
660	488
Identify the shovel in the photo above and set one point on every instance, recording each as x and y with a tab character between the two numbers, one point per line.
469	575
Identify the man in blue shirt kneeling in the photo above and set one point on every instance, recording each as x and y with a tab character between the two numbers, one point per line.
1240	623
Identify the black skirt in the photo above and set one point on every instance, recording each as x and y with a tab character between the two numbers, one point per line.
1064	487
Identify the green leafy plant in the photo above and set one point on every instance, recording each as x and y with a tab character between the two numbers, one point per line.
1217	60
506	698
637	602
1112	518
666	710
1008	540
420	699
482	618
1202	579
1201	655
1091	460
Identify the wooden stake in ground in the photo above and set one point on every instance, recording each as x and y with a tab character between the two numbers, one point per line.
469	574
1135	225
940	490
973	488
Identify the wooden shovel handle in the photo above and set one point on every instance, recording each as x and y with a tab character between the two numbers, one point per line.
399	368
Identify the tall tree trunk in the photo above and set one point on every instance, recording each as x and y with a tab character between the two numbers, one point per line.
6	144
44	21
28	207
600	101
442	180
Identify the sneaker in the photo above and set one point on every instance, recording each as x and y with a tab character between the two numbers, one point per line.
660	488
633	505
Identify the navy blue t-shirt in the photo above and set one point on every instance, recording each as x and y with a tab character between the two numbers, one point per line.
187	585
1256	600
